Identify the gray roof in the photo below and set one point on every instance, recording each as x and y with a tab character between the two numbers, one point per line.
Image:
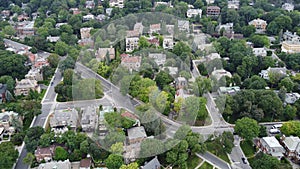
56	165
291	142
136	132
3	88
153	164
64	117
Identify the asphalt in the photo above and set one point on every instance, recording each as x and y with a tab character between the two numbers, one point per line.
217	162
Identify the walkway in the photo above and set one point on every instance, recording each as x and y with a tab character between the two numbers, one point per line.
214	160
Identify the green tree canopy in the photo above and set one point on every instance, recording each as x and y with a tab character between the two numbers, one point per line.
247	128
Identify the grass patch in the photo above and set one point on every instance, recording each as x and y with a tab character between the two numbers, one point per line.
206	165
217	150
248	148
193	161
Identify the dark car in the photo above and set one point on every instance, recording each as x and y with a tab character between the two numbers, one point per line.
244	160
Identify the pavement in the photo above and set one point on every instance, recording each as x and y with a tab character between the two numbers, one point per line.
237	154
214	160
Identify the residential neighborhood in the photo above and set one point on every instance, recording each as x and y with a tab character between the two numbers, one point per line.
117	84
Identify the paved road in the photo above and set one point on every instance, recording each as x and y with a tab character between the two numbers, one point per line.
237	154
214	160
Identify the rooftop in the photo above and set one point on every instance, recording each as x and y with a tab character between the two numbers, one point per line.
291	142
136	132
271	141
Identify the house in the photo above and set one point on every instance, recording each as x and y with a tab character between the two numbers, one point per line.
159	58
154	28
168	42
168	4
228	90
89	119
153	41
34	74
271	146
259	24
173	71
213	11
228	28
170	29
23	17
3	93
233	4
219	73
45	153
184	25
40	62
5	13
190	13
102	127
25	28
281	71
139	27
136	134
101	17
210	1
132	43
88	17
180	83
53	38
85	33
108	11
55	165
58	25
153	164
259	51
288	7
131	116
289	36
290	144
25	85
116	3
76	11
90	4
64	118
290	47
6	118
102	53
85	163
291	98
131	63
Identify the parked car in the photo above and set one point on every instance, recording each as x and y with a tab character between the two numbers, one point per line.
274	131
244	160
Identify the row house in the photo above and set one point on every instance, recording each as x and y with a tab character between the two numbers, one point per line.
159	58
132	43
184	26
89	119
154	28
61	119
168	42
25	28
271	146
233	4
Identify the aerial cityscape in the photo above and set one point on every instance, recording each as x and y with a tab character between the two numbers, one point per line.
149	84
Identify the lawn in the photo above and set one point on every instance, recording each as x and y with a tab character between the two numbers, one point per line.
248	148
206	165
217	150
193	161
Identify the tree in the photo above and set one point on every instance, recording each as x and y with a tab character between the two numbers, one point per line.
151	147
117	148
130	166
46	139
260	41
264	161
84	147
247	128
291	128
61	48
202	85
28	159
53	60
8	155
9	30
181	48
143	43
60	154
163	78
68	76
114	161
227	141
288	83
33	134
290	112
178	155
248	30
68	63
